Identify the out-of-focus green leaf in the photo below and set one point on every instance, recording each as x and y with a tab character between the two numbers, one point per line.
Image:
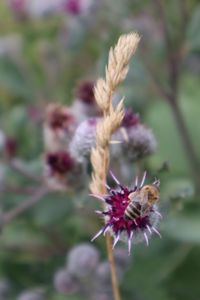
11	78
160	119
184	282
193	37
183	227
52	209
17	234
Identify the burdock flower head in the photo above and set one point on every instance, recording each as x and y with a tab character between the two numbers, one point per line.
131	214
59	117
84	139
138	141
84	105
59	127
77	7
63	171
59	163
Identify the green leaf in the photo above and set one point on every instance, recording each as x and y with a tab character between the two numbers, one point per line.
183	227
12	78
160	119
193	37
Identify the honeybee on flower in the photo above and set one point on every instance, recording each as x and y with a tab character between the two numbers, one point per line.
131	214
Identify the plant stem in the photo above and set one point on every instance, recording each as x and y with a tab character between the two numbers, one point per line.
174	59
115	285
187	143
22	207
114	279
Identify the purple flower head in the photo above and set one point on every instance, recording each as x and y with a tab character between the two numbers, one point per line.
85	92
60	162
130	119
72	6
82	260
65	283
59	117
10	147
17	5
84	139
135	229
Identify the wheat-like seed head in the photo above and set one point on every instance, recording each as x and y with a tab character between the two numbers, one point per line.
115	73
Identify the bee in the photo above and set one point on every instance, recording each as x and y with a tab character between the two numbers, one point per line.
142	200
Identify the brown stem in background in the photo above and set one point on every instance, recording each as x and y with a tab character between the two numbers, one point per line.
20	167
187	143
25	205
174	60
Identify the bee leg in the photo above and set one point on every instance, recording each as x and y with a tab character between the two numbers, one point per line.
156	231
143	179
156	183
136	182
130	242
116	239
146	238
149	229
115	179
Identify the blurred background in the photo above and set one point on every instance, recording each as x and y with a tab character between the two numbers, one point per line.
52	51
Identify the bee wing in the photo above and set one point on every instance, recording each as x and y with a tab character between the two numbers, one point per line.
136	198
144	199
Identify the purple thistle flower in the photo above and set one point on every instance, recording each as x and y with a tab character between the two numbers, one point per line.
59	117
85	92
60	162
17	5
130	119
72	6
133	230
84	139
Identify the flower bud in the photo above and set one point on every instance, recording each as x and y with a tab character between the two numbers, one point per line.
140	143
77	7
62	171
84	139
121	258
65	283
10	147
103	274
84	105
59	126
136	140
102	295
59	163
4	289
31	295
82	260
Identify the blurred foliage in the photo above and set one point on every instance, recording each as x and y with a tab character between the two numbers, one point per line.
46	57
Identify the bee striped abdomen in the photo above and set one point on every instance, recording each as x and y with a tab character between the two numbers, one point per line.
133	211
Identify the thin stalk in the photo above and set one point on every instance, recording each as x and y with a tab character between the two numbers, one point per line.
25	205
108	237
187	143
114	278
